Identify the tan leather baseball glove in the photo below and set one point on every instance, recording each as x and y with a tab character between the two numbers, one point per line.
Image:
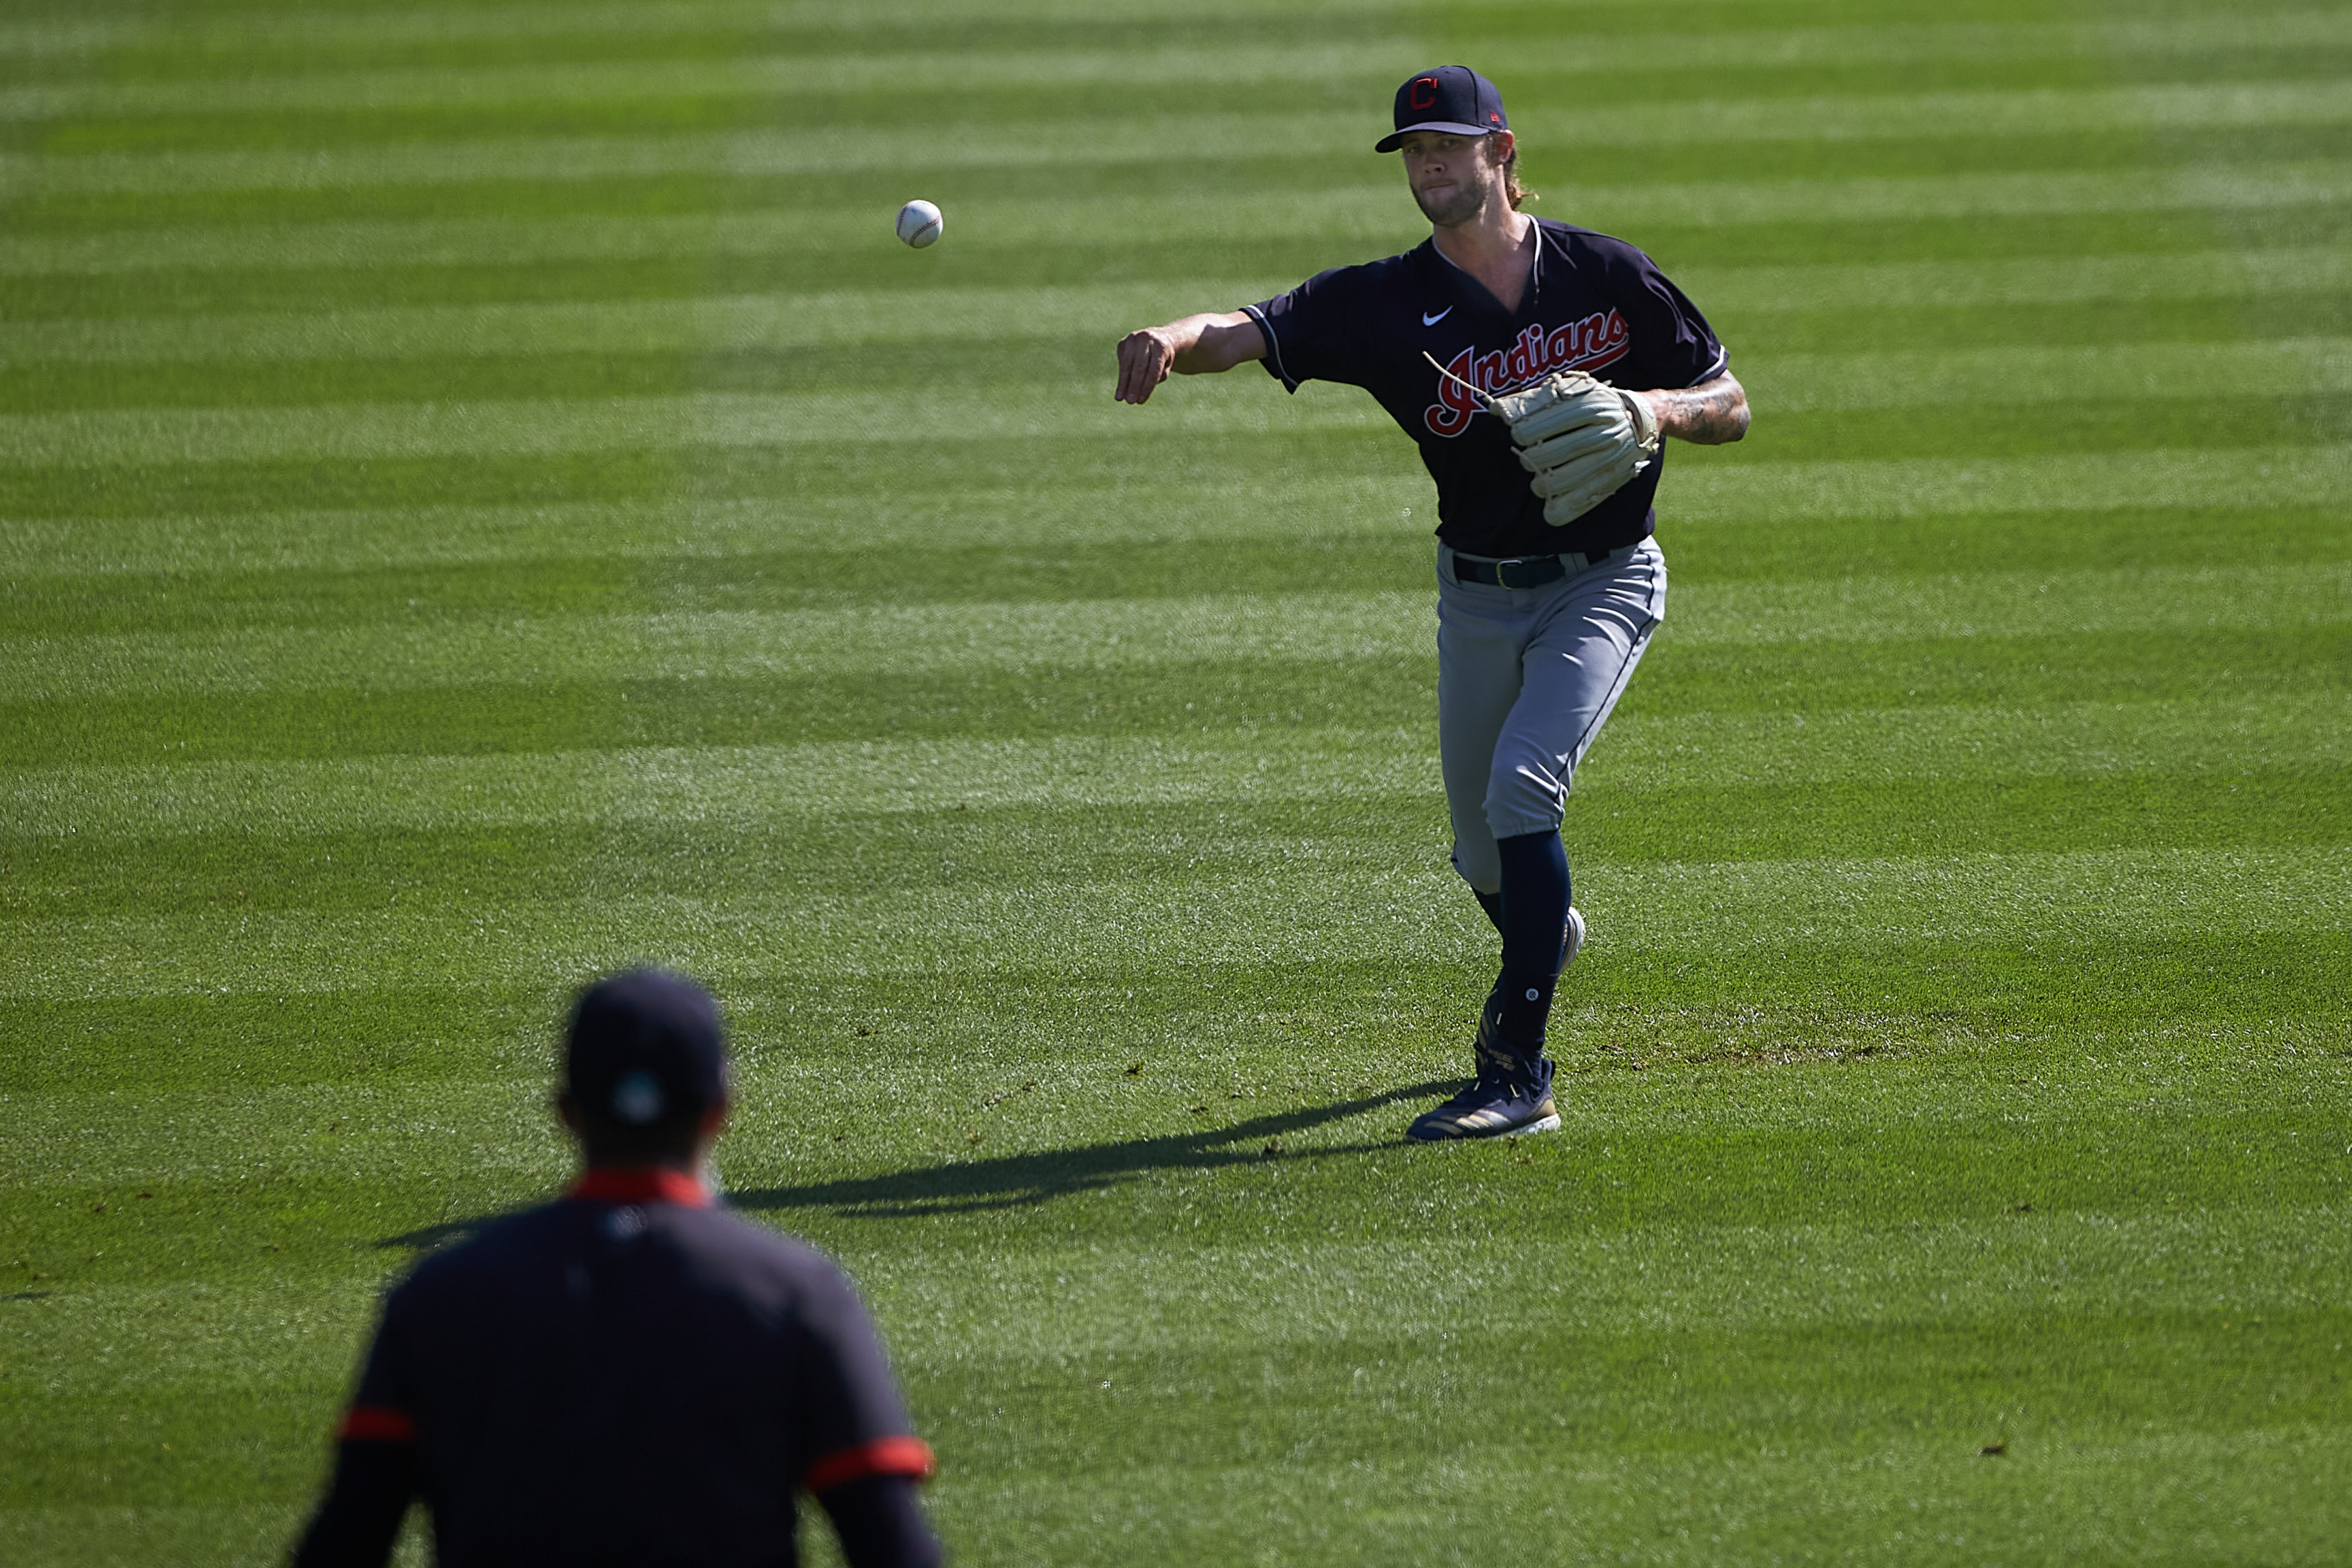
1581	438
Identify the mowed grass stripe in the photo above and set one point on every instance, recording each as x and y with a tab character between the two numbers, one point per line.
229	35
1183	701
909	481
1147	137
2130	1040
1621	828
2253	273
704	787
624	326
543	427
1800	383
904	77
1921	116
1324	1281
184	574
880	640
730	72
920	485
367	266
1071	514
2266	392
1354	211
1347	214
2033	112
1330	499
1398	910
842	318
1610	43
1762	492
1077	406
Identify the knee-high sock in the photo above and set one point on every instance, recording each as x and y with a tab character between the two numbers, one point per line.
1535	908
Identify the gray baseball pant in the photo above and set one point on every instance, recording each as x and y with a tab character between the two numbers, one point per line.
1525	677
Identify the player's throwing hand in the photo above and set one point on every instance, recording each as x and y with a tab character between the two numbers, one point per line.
1196	345
1145	357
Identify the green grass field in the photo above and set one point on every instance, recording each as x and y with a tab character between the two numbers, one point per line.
484	499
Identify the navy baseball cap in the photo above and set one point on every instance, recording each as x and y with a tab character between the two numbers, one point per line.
646	1046
1451	98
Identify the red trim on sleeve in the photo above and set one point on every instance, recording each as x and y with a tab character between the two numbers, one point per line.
640	1185
375	1423
909	1456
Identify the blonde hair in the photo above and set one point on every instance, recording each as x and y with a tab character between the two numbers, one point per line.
1512	189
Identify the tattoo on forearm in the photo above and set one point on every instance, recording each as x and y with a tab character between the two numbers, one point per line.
1709	415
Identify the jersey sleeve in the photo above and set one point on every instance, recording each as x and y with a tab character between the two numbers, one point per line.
381	1411
1675	346
376	1471
854	1423
1307	331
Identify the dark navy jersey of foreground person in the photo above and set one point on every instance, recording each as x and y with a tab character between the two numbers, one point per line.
629	1376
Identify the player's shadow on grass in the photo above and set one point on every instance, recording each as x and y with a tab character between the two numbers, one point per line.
1010	1180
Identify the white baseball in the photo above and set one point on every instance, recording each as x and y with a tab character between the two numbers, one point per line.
919	223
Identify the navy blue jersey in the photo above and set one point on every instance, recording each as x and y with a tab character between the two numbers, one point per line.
1594	304
627	1376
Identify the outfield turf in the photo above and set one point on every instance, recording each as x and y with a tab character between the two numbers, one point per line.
484	499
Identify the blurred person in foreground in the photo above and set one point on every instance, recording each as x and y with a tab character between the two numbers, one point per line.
629	1375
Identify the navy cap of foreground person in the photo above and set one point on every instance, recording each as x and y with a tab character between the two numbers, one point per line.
644	1053
1453	101
631	1374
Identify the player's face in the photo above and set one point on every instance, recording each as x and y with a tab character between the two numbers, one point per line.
1452	176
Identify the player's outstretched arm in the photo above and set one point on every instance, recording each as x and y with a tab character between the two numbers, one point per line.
1710	414
1197	345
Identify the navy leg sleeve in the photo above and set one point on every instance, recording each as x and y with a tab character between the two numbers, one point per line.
1492	904
1535	911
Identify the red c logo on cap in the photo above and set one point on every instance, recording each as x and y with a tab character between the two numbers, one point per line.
1421	100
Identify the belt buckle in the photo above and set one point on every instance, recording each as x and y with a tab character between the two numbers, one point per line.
1503	571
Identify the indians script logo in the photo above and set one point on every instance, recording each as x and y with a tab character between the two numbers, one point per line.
1601	338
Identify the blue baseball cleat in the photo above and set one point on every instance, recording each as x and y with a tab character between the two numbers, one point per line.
1519	1100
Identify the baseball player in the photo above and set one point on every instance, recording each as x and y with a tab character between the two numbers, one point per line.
1537	365
631	1375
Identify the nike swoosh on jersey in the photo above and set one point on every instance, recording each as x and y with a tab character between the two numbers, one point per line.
1433	321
